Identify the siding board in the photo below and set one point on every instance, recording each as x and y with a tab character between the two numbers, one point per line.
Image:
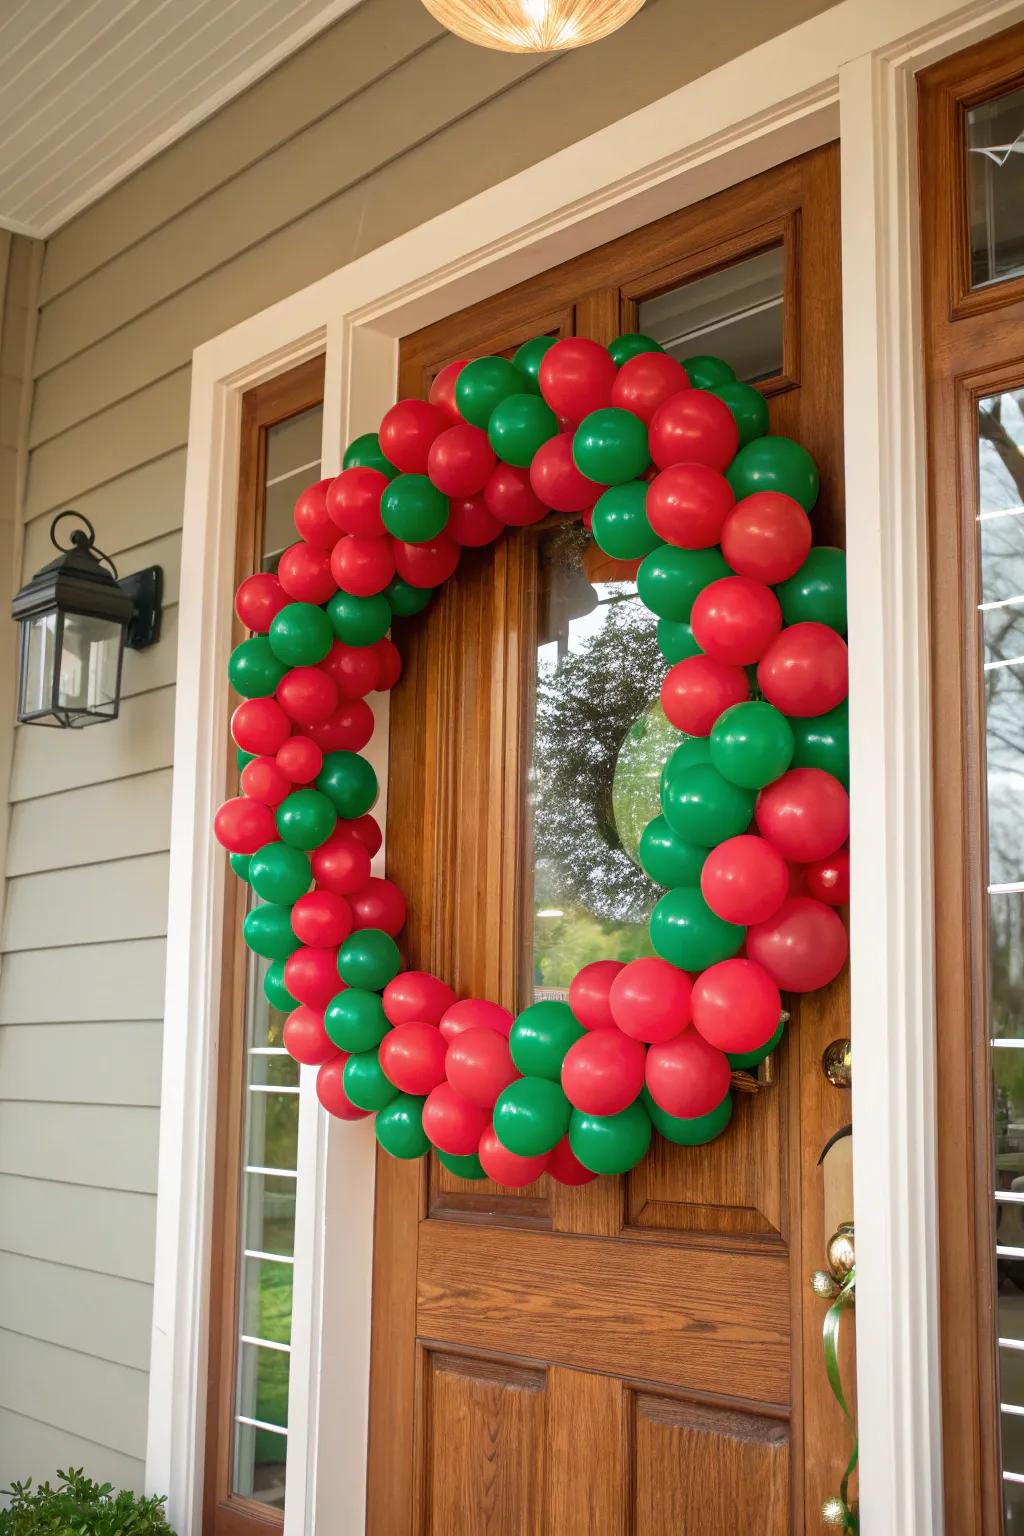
81	1064
124	980
138	741
89	826
124	899
139	505
109	1230
95	1314
109	1147
95	1399
26	1445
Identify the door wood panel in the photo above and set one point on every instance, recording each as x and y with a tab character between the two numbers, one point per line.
657	1331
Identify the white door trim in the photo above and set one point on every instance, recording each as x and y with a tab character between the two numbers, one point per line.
855	64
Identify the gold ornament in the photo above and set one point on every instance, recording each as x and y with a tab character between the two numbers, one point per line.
837	1063
840	1254
532	26
833	1513
823	1285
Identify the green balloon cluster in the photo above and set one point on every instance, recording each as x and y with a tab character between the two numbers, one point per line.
610	446
364	1081
413	509
675	640
689	1131
365	452
666	858
620	525
531	1116
348	783
631	344
518	426
611	1144
823	741
751	744
369	959
399	1127
405	600
703	807
359	620
745	1061
774	464
748	407
686	932
301	635
267	930
817	593
355	1020
529	358
540	1037
253	669
483	384
670	579
279	872
274	989
306	818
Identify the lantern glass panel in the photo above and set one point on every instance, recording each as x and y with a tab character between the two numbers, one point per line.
90	665
39	644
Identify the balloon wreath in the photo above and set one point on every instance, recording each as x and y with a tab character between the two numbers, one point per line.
670	465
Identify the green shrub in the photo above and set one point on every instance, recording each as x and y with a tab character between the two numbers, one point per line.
78	1505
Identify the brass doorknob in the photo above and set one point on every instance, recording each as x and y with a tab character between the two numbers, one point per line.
837	1063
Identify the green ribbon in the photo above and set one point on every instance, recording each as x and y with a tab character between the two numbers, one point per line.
830	1334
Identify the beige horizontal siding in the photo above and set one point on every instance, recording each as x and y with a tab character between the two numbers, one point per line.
139	505
94	1314
82	1063
96	1400
139	740
28	1446
123	899
87	826
110	1231
123	980
108	1146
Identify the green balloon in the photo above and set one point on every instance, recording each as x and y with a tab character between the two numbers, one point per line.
275	991
742	1061
540	1037
528	360
305	818
620	525
774	464
369	959
359	620
823	741
708	372
689	1131
240	864
349	783
817	593
253	669
751	744
669	579
405	599
531	1116
366	452
301	635
675	641
280	873
355	1020
363	1080
611	1143
267	929
690	751
470	1166
667	859
703	807
413	509
518	426
399	1127
631	344
749	409
241	758
610	446
686	932
483	384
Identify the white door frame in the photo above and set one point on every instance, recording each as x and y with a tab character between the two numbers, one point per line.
851	68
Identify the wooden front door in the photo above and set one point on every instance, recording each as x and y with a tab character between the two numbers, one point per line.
641	1354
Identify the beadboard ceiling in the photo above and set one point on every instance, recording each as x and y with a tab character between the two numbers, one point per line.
91	89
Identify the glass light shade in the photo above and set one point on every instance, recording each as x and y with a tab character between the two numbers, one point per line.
71	668
532	26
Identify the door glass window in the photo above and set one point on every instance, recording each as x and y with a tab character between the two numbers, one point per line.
995	188
735	313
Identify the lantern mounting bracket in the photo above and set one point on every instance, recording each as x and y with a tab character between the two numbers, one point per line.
145	588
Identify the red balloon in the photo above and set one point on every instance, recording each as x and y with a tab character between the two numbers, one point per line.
428	564
460	460
417	997
321	919
412	1057
804	670
576	377
736	1005
389	664
307	695
354	668
312	519
603	1072
442	390
744	880
697	689
451	1123
803	947
243	825
379	904
797	880
260	726
687	504
258	601
687	1076
300	758
565	1167
805	814
767	537
556	481
311	976
330	1090
347	730
262	779
471	524
341	864
353	501
735	620
506	1167
646	381
367	831
510	497
362	566
589	993
407	431
306	1039
693	428
474	1013
828	879
305	574
651	1000
479	1065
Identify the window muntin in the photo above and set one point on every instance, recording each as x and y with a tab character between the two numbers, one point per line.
735	313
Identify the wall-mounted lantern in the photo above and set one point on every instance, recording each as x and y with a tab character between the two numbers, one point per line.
75	618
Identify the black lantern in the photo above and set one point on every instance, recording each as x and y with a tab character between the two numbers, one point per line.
76	616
